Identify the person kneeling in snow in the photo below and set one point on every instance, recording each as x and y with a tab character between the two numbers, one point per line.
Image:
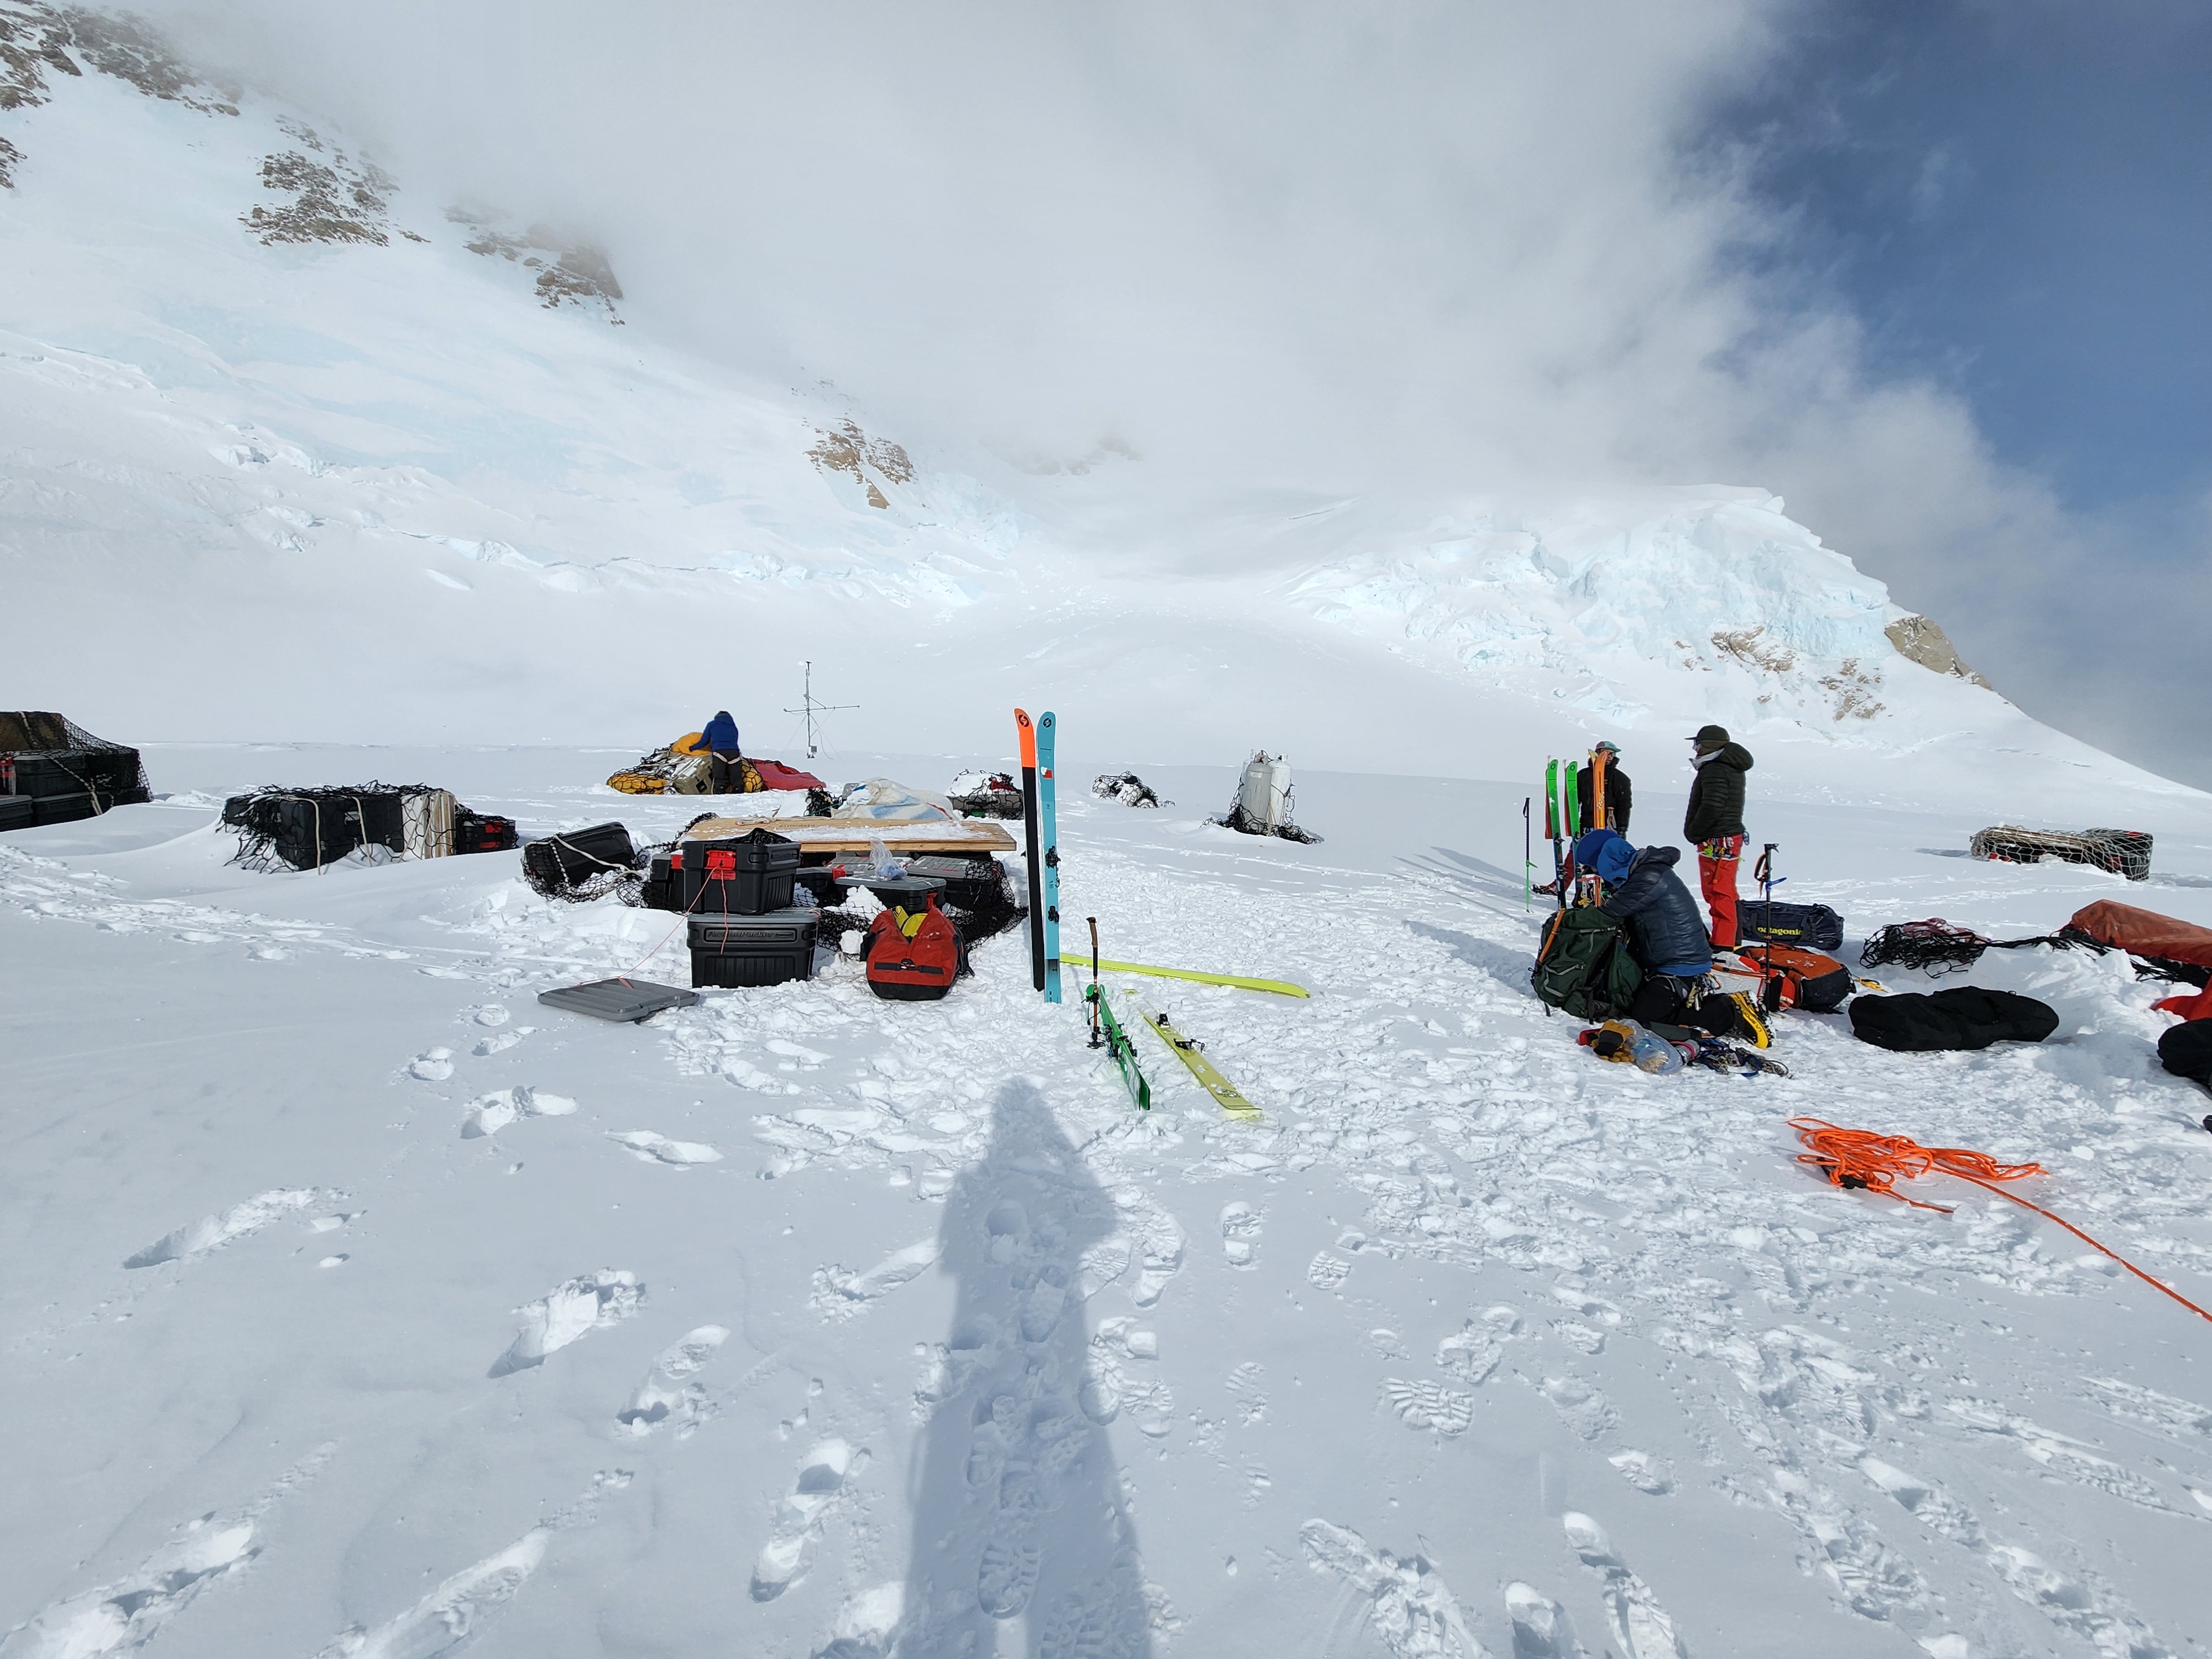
1667	937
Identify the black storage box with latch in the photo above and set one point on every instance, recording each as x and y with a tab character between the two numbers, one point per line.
735	951
750	875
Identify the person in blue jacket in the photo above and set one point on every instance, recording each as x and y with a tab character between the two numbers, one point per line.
1667	937
719	740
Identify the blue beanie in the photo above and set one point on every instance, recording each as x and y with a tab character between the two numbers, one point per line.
1606	851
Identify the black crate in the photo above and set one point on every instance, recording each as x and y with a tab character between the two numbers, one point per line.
107	773
307	834
484	832
576	855
17	811
661	889
817	879
750	875
733	951
969	884
64	809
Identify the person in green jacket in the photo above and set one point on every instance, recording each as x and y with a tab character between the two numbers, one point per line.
1714	824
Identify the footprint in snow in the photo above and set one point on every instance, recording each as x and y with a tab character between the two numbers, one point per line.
1640	1624
489	1114
568	1312
492	1014
668	1395
212	1231
1426	1405
1327	1271
823	1473
500	1042
1541	1629
432	1065
1412	1609
451	1613
650	1148
1240	1231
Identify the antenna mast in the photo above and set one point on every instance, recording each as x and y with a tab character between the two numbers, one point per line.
809	708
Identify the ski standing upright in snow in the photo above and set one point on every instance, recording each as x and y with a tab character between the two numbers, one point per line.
1048	812
1027	733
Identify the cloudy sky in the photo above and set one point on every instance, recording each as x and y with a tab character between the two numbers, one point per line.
1934	270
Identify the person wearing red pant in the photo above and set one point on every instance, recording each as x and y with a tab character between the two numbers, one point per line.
1714	824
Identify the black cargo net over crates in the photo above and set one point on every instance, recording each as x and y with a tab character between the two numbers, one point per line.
2123	852
46	758
307	829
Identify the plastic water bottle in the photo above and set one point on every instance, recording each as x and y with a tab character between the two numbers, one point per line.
1653	1053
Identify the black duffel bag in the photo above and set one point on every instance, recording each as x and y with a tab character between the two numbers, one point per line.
2186	1051
1813	926
1964	1016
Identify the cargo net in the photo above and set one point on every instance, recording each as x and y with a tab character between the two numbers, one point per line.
2123	852
987	795
264	825
557	868
38	732
1935	947
1127	787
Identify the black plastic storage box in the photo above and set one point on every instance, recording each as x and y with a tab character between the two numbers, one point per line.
750	875
969	884
17	811
661	886
484	832
64	809
576	855
734	951
309	834
817	879
110	773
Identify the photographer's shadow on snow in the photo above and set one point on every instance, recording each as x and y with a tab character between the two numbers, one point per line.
1018	1504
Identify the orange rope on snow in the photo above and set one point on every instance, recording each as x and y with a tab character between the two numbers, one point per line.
1860	1159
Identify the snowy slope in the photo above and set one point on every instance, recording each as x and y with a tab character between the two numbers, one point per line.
361	1304
366	485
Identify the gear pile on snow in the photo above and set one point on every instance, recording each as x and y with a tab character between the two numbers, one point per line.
987	795
54	771
1126	787
1262	806
684	768
307	829
2123	852
2159	946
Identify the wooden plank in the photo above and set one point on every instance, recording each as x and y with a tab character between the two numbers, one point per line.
853	834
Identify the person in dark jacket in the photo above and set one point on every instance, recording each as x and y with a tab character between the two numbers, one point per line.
1620	796
719	740
1667	937
1714	824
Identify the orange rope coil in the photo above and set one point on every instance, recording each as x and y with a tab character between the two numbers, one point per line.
1862	1160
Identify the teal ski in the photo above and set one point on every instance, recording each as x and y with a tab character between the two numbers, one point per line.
1048	830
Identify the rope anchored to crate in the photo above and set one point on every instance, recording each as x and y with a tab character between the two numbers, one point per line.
1865	1161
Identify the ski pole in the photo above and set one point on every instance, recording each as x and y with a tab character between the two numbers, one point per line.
1527	858
1097	995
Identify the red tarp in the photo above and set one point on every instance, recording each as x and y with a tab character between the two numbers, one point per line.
2145	932
774	774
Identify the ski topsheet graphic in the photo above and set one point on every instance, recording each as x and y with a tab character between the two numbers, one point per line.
1028	736
1048	812
1119	1049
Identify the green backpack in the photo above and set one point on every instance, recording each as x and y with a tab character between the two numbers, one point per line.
1584	966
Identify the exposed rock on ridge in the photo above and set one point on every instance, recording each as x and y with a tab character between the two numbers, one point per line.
1920	640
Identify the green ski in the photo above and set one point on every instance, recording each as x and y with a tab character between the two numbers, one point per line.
1209	1076
1119	1048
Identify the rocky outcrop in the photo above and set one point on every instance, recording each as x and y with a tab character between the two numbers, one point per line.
333	199
1918	639
852	451
568	272
36	40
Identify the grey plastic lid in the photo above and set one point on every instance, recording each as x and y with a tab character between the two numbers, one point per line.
625	1000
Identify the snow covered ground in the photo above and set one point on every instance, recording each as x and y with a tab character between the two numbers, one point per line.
358	1304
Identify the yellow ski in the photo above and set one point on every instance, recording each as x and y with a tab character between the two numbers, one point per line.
1279	986
1208	1075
